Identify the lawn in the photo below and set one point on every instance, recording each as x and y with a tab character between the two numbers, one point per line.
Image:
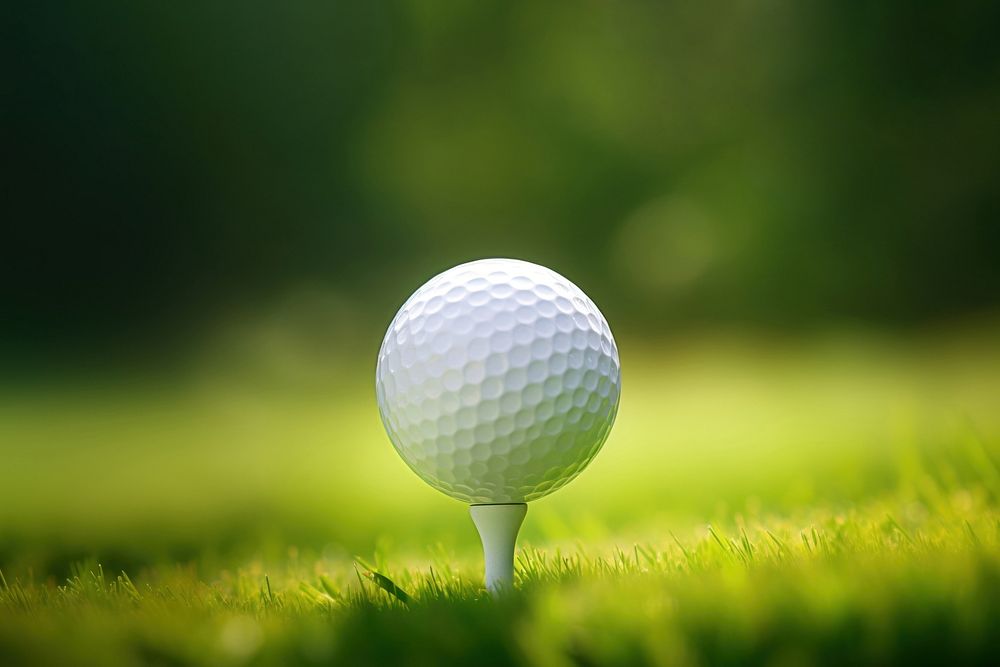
893	582
828	500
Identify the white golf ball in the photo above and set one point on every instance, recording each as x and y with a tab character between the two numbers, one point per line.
498	381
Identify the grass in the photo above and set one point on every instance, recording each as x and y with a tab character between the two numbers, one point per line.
894	582
828	502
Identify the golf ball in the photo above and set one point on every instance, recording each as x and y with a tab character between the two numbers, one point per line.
498	381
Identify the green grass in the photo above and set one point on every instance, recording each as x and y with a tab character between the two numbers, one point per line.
833	500
893	582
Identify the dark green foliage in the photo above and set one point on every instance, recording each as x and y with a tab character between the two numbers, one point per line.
782	163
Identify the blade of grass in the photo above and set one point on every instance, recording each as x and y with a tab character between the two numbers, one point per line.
386	584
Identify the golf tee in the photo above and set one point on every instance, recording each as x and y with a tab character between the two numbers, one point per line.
498	526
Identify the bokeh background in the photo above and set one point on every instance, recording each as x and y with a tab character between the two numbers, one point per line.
787	212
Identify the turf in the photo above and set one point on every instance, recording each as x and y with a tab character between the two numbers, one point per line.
827	503
894	582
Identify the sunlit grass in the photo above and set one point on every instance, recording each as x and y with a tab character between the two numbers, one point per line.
833	500
880	584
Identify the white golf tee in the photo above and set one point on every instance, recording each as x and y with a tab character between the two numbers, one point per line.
498	526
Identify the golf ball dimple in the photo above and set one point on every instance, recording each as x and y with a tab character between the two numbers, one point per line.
498	381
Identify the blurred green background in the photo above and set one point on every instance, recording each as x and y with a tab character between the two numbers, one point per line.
787	212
